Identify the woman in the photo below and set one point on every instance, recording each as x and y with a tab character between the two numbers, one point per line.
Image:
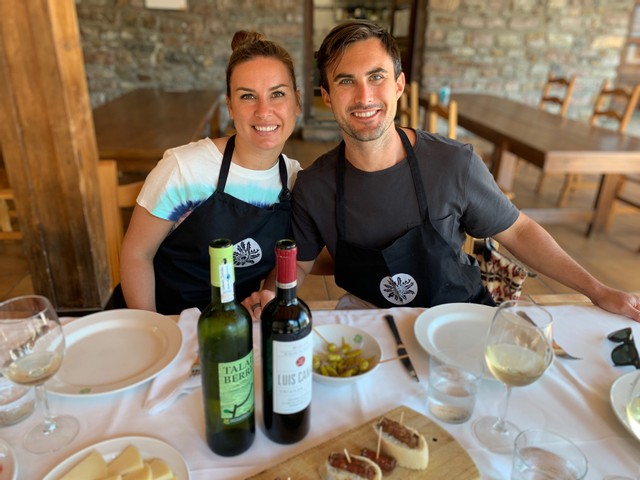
232	187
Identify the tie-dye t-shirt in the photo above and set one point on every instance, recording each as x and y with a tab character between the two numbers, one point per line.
186	176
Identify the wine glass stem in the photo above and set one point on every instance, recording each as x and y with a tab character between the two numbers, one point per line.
49	425
499	426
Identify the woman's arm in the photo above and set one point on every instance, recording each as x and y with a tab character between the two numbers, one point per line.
139	246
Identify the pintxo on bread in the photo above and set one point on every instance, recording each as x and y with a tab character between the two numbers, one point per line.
404	443
339	466
386	462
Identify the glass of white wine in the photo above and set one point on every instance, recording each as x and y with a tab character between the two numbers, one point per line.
31	351
518	351
633	407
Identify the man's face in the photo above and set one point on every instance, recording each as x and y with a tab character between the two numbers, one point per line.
363	93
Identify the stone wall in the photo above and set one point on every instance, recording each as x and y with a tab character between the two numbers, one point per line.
504	47
507	47
128	46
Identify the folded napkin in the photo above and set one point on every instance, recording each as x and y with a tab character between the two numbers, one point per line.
177	380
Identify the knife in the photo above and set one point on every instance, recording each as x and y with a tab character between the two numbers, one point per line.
406	361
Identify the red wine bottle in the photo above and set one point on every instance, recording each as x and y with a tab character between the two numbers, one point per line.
287	354
225	338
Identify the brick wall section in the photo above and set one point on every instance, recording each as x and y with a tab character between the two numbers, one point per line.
506	47
127	46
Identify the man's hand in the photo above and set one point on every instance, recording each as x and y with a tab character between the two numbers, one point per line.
256	301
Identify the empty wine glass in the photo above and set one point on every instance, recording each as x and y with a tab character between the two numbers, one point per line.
518	351
31	351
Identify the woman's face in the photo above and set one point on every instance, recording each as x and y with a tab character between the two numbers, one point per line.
263	103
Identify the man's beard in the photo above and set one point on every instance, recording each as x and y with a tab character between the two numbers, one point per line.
366	134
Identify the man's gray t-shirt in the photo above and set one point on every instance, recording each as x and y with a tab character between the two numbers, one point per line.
381	206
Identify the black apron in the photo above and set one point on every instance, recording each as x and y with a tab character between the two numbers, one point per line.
419	269
182	262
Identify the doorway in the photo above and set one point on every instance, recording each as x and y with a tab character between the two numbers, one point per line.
406	19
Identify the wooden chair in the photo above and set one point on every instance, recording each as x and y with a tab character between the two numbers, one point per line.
556	94
624	200
435	110
8	215
612	103
114	197
409	109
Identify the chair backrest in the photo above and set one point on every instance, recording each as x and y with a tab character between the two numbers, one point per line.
8	214
435	110
557	91
409	108
114	197
615	103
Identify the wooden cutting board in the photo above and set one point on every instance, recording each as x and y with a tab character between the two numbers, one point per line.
447	459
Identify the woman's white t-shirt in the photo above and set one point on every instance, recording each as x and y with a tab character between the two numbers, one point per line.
186	176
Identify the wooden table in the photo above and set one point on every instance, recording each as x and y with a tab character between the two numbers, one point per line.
136	128
553	143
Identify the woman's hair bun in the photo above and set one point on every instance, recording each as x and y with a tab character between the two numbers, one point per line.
243	37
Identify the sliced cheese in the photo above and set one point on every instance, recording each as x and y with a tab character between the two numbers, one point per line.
91	467
143	474
128	461
112	477
160	469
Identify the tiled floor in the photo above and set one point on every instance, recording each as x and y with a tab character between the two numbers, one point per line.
611	257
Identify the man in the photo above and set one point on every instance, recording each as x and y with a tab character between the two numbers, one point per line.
393	205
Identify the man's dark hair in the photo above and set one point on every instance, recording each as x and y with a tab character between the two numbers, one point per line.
343	35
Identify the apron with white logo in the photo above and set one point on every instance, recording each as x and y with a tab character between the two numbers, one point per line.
419	269
182	261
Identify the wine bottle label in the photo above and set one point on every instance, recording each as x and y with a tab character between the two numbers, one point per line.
236	389
225	273
292	366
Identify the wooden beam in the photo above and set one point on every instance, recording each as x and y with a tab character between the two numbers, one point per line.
50	152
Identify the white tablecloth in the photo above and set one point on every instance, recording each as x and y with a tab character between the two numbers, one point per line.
571	398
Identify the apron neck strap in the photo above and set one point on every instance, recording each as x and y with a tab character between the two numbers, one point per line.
415	174
285	193
340	171
226	163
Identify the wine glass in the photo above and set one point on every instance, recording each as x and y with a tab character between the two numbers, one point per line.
31	351
518	351
633	407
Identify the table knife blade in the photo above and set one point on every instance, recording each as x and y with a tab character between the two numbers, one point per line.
400	349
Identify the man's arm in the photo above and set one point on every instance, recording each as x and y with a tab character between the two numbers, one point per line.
535	247
304	269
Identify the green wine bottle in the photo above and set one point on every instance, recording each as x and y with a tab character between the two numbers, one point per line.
226	356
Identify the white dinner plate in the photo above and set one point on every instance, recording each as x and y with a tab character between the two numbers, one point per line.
455	333
109	449
619	394
8	462
111	351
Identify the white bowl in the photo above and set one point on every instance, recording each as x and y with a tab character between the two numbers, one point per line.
353	336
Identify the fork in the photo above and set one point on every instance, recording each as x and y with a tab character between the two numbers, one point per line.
557	349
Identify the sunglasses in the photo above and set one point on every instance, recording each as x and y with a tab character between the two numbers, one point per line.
626	353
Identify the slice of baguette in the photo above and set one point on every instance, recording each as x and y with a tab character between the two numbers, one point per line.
328	472
412	458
